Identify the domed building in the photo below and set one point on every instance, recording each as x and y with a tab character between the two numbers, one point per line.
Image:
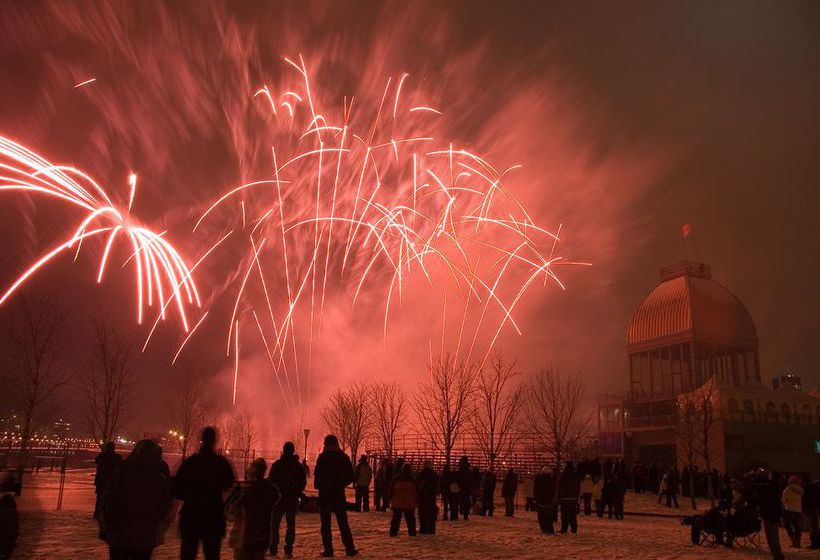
692	346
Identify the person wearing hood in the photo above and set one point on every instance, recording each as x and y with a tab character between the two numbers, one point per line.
201	481
404	492
290	478
136	504
445	484
463	488
9	521
331	475
586	493
508	490
792	500
488	482
105	462
544	498
384	474
569	489
251	508
428	485
363	475
529	494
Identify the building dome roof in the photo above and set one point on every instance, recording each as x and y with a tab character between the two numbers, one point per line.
689	306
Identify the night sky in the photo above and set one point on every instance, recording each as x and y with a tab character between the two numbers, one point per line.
630	119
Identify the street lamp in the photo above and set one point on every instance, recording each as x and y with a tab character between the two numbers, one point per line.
307	435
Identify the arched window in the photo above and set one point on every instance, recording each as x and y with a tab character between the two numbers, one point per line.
806	414
785	412
733	406
818	414
748	408
771	408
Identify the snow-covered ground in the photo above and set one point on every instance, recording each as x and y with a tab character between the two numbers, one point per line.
72	534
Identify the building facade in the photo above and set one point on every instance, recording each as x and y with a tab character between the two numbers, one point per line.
691	334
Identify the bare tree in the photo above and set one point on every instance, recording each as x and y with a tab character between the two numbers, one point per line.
443	402
348	415
388	403
498	406
553	404
107	382
242	435
696	420
186	408
36	369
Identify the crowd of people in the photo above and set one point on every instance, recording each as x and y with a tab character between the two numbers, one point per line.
135	496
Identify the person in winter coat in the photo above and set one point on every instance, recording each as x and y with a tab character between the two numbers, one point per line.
544	497
136	504
200	482
105	462
608	495
363	475
768	495
654	478
404	492
508	490
672	487
476	503
793	509
488	482
597	496
251	508
449	504
463	489
662	485
569	489
618	496
428	485
529	494
384	475
586	493
331	475
811	508
9	522
290	478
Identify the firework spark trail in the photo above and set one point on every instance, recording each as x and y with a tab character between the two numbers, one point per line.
157	263
362	201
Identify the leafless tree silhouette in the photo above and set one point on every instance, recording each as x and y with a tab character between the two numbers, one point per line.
348	415
36	370
187	409
498	408
553	404
696	418
388	403
443	402
107	381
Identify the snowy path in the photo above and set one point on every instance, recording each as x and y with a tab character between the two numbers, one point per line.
63	535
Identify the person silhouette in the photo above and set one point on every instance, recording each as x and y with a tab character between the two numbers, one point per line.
331	475
200	483
105	462
289	476
250	507
136	504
